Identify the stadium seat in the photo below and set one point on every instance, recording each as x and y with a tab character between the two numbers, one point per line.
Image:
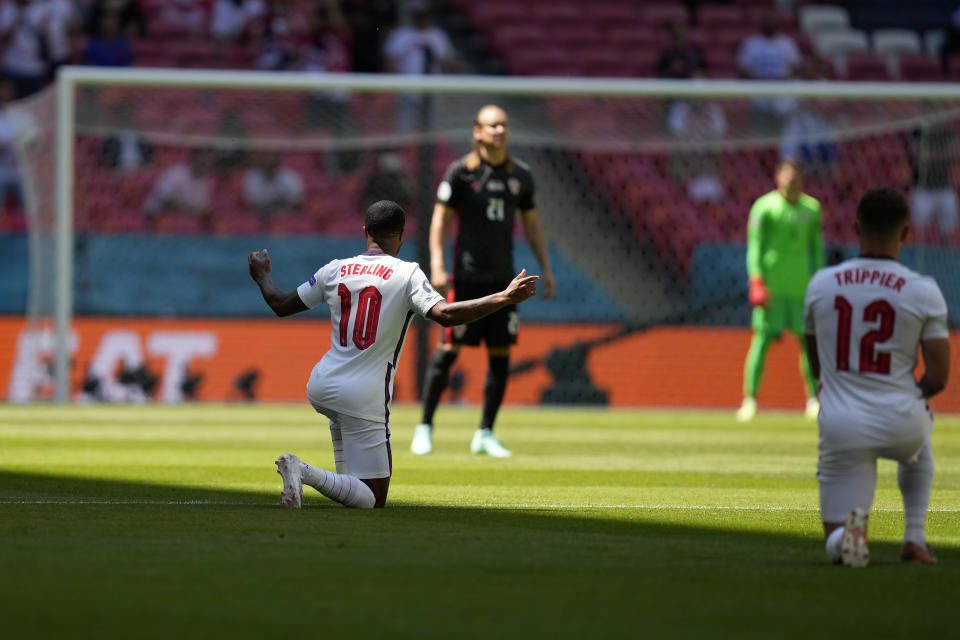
553	13
489	16
720	16
864	66
919	68
755	14
609	14
820	18
576	37
731	38
838	43
933	40
660	14
176	222
895	42
511	37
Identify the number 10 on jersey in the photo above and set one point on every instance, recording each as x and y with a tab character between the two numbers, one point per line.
368	316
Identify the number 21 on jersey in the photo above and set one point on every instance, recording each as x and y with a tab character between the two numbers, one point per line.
870	361
495	209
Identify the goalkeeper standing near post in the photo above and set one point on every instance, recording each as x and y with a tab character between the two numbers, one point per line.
784	249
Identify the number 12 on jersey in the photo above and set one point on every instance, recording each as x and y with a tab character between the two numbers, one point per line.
368	316
870	360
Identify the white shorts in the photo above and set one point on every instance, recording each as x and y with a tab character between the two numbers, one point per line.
361	448
848	478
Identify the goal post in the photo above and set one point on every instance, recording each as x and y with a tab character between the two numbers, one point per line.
612	131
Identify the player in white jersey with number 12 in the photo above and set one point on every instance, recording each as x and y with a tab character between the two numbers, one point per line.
372	299
865	321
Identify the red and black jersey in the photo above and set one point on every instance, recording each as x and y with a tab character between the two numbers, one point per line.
487	199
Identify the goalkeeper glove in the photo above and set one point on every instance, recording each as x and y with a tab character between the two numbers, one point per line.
759	294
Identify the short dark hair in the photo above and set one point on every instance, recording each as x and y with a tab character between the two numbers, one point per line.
882	212
384	218
796	163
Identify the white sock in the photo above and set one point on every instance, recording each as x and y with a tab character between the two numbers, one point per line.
915	481
349	491
834	542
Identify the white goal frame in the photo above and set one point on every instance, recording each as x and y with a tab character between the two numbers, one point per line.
69	78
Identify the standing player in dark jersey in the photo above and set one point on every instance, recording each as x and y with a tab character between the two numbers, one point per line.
487	188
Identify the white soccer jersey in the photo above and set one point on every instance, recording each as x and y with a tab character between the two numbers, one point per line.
372	298
869	316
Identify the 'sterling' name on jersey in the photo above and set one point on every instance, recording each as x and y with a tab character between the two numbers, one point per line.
870	276
357	269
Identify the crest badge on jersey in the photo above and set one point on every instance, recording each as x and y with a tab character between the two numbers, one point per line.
444	191
312	281
514	185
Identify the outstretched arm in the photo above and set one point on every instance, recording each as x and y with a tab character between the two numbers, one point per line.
450	313
283	304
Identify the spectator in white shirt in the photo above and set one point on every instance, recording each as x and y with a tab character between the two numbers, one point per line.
232	18
269	187
186	188
24	26
769	55
417	48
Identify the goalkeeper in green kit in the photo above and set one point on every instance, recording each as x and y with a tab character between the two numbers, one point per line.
784	249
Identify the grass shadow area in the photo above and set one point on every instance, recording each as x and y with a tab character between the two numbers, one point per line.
86	557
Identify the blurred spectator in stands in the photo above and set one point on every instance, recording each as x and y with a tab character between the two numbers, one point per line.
124	149
327	50
269	187
108	47
231	136
933	200
277	40
680	59
27	61
186	16
768	55
133	22
233	20
369	21
186	187
11	194
807	135
389	181
694	122
951	41
417	48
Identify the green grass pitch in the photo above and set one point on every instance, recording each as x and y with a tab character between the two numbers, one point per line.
163	522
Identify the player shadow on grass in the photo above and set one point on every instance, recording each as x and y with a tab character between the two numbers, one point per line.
529	532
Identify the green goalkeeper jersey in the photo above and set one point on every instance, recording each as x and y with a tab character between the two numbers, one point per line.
785	242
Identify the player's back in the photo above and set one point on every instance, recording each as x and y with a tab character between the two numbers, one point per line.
869	316
372	298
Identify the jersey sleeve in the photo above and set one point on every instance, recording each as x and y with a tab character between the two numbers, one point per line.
755	239
312	291
809	321
936	312
817	257
420	293
525	202
448	193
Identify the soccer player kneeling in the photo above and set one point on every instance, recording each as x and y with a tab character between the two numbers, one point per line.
372	299
864	321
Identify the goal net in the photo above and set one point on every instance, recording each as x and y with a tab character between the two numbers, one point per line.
167	179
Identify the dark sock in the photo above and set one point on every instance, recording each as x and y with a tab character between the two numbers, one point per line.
438	375
494	388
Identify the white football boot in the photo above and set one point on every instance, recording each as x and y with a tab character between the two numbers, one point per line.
747	410
484	442
854	551
288	466
422	443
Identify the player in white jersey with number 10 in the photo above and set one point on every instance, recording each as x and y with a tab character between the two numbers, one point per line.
865	320
372	299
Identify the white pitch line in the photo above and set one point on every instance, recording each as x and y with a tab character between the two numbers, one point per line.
507	507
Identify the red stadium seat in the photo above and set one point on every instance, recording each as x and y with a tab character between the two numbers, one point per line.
552	13
866	67
609	14
660	14
579	37
637	37
920	68
720	16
